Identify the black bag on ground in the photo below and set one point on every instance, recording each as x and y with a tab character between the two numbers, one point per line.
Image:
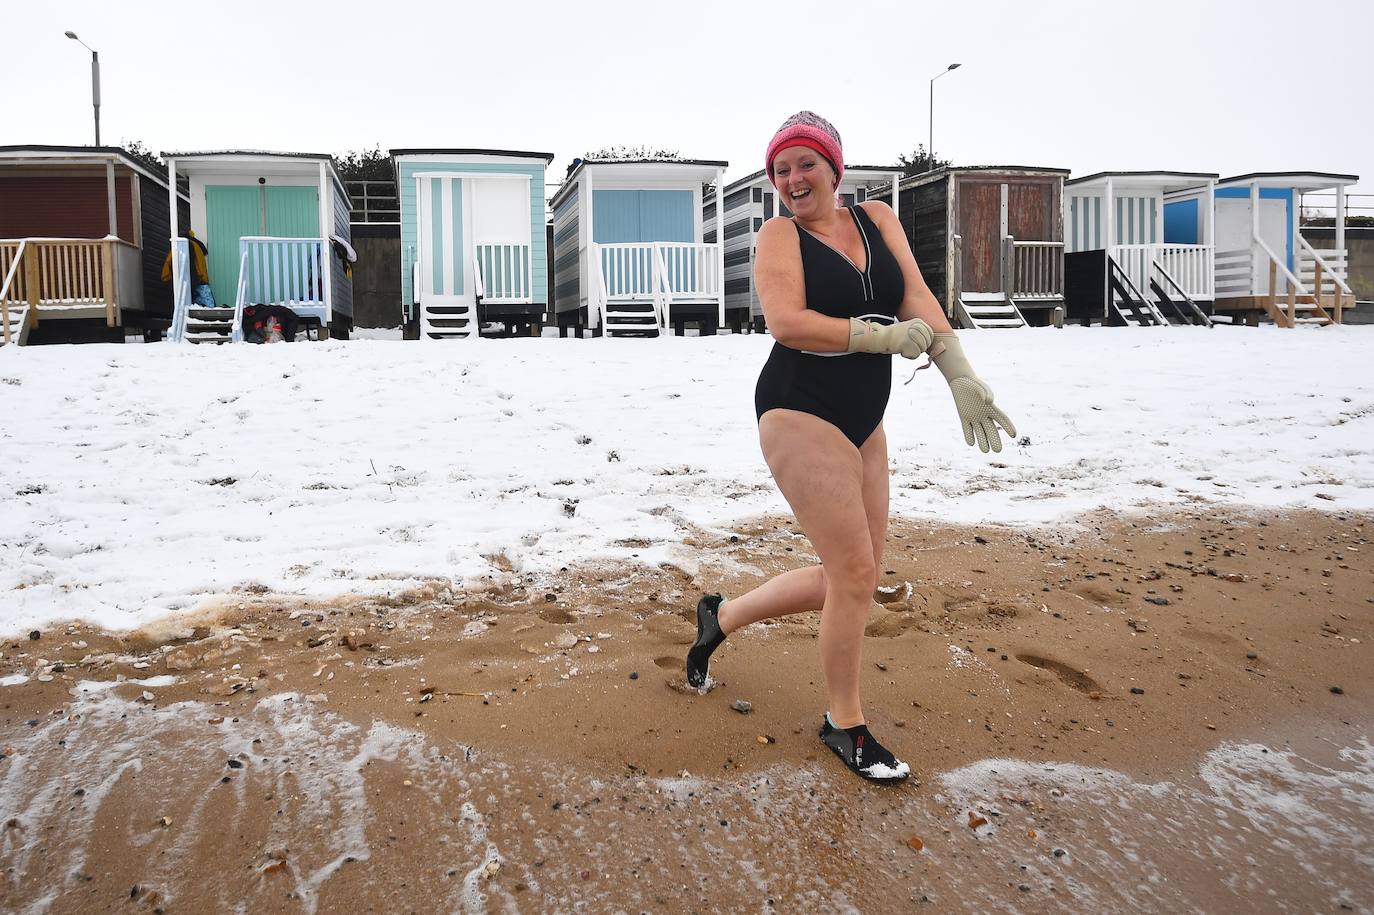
256	319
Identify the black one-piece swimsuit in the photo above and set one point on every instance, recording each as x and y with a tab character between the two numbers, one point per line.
847	390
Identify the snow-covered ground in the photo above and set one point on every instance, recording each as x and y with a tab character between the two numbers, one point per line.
137	480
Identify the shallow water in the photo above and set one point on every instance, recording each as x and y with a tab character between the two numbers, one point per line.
315	814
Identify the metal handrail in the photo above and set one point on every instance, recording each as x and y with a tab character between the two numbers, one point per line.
663	293
236	332
181	293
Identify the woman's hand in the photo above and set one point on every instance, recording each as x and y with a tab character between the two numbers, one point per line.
972	398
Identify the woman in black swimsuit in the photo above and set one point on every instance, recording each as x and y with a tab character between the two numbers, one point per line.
841	293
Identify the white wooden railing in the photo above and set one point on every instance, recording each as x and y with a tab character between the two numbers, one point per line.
281	271
1235	271
627	270
657	273
181	289
1037	268
690	271
504	272
1191	266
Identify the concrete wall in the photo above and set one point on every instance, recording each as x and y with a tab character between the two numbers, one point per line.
377	276
1360	243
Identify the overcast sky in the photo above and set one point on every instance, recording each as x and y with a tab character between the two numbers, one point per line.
1229	87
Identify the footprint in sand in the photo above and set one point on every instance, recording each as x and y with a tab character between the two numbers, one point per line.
1067	675
1099	595
890	625
556	615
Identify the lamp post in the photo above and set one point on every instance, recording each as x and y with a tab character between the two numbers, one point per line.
930	150
95	81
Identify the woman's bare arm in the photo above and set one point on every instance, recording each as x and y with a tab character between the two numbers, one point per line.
782	291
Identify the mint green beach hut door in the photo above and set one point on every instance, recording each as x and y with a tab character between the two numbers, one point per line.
235	211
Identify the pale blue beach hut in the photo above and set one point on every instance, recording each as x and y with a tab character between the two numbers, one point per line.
631	253
473	245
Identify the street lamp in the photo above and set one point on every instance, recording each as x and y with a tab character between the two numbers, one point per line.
930	150
95	81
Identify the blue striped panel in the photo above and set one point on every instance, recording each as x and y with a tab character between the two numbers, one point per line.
615	217
455	229
436	236
667	216
622	217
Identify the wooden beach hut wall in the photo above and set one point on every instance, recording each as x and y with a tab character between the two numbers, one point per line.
1119	268
83	236
631	256
749	203
989	240
272	222
473	246
1265	267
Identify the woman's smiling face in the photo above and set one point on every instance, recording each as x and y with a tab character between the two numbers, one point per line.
804	180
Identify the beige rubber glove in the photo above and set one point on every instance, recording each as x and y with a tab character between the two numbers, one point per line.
908	338
972	398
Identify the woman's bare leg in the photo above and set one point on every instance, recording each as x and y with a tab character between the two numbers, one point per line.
821	474
803	590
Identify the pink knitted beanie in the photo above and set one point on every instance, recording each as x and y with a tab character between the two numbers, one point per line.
806	128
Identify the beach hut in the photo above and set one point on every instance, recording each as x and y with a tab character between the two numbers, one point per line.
1264	265
631	257
1119	266
472	240
751	201
276	225
989	240
83	235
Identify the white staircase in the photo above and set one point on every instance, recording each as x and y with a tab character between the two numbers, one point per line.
448	322
983	310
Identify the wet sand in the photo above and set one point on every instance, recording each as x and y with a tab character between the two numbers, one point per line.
530	745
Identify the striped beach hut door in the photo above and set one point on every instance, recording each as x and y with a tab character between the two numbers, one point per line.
443	234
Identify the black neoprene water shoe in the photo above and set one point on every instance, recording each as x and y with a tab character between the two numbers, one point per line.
867	758
709	638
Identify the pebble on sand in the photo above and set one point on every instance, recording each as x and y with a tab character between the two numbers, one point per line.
743	706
